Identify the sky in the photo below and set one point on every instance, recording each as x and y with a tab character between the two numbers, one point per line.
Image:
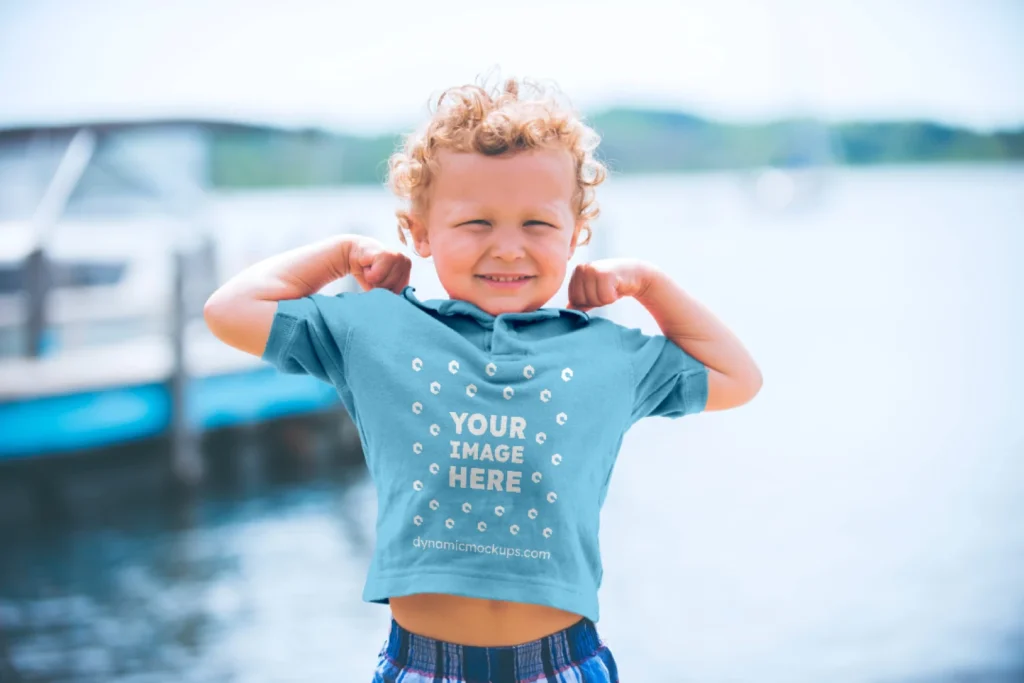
371	67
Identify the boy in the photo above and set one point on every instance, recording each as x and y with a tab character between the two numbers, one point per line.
490	424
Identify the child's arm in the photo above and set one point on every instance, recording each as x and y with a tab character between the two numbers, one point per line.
733	376
240	313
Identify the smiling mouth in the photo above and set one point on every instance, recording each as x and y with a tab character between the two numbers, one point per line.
505	278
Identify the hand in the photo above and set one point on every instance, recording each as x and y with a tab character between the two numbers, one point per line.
606	281
375	266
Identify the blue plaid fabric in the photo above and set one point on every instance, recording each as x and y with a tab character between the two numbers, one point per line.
574	655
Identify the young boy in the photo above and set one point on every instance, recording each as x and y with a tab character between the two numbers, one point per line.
490	424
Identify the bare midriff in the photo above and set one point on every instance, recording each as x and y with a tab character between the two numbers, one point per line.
472	621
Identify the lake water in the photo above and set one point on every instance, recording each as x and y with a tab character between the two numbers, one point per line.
861	521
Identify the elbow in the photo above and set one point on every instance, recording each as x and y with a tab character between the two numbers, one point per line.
758	380
732	391
213	314
752	385
747	386
239	321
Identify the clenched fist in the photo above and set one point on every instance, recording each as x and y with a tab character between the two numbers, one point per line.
606	281
375	266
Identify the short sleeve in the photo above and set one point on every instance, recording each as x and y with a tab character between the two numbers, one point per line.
310	336
667	381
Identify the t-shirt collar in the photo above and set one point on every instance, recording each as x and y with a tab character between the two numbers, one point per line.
460	307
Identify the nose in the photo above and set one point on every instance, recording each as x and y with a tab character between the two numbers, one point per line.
507	243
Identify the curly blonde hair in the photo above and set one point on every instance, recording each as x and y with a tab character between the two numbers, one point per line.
471	118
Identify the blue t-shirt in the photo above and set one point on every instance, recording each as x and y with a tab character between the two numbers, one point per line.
490	439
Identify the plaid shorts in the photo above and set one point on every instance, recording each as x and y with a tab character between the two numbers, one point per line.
575	654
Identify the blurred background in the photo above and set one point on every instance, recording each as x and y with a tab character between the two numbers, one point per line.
841	183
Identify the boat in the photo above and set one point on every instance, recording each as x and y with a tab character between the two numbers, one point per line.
108	252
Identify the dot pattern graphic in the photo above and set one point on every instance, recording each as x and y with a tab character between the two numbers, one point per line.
508	392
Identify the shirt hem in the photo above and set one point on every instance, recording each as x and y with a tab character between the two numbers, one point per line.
379	589
697	392
283	329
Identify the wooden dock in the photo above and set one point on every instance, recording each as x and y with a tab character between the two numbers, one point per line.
102	340
94	397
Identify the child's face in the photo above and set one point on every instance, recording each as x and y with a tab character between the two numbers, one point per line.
494	218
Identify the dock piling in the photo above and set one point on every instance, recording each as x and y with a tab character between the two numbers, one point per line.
186	458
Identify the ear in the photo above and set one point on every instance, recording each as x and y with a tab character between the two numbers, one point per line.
418	233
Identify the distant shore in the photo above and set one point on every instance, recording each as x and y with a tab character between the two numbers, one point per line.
633	141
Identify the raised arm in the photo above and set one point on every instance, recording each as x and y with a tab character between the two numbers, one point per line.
733	376
240	313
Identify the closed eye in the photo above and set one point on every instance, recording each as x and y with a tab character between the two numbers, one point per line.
481	221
